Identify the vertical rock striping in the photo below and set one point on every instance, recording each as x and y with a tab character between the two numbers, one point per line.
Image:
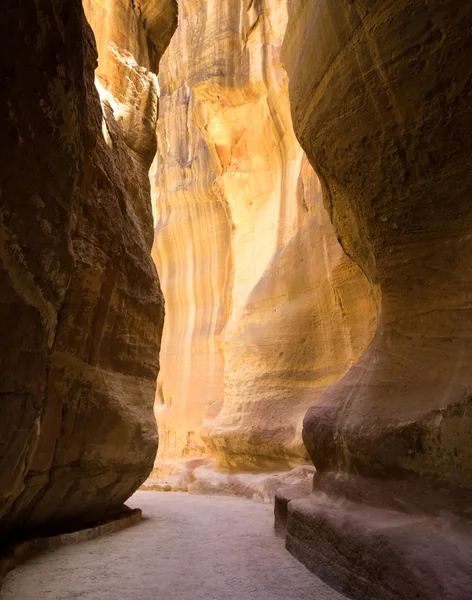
264	308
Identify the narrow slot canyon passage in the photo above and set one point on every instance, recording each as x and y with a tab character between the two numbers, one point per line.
236	267
188	547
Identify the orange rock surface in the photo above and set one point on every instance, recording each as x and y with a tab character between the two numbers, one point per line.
264	309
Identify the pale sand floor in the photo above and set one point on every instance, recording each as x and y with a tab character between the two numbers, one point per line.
188	548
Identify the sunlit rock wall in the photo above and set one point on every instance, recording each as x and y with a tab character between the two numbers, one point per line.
264	309
81	307
380	94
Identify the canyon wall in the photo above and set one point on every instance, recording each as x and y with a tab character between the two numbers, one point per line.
265	310
81	307
380	95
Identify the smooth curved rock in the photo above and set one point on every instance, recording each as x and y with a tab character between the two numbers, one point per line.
81	308
380	95
265	308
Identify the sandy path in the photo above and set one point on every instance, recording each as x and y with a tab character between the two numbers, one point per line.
188	548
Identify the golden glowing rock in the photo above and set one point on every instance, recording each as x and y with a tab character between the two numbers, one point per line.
264	309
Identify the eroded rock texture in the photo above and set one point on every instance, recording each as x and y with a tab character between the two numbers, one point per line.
265	309
81	308
380	95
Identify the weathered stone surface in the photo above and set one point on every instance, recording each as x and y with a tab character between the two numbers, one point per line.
260	487
81	308
380	95
266	309
283	496
200	477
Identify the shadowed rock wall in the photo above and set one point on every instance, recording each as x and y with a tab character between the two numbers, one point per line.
265	309
81	308
380	94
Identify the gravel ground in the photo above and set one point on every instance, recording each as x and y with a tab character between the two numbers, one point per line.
187	548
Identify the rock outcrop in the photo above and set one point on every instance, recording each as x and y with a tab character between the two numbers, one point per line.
81	307
266	310
380	95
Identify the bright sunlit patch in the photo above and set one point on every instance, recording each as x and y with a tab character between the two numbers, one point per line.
105	96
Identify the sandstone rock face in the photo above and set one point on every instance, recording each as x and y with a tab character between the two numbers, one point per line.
380	94
81	308
265	310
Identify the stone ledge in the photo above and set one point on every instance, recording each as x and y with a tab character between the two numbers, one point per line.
282	498
377	554
16	554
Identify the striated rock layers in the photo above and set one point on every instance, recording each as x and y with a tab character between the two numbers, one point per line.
381	98
81	308
266	310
